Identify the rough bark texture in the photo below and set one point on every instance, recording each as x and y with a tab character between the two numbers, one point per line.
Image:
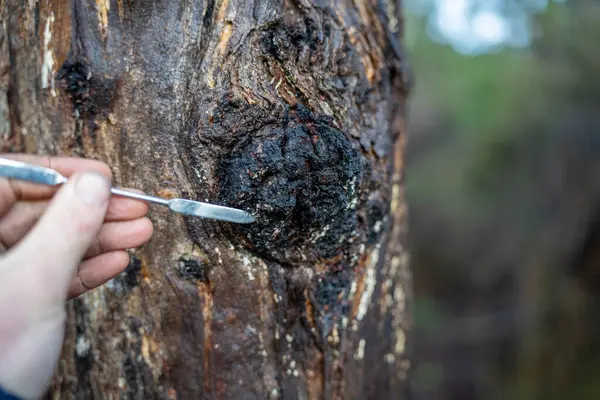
291	109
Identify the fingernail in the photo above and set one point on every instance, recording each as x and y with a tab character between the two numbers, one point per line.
92	188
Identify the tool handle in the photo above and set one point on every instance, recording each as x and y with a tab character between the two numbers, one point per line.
28	172
138	196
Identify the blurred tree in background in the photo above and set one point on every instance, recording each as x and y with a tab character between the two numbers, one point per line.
503	179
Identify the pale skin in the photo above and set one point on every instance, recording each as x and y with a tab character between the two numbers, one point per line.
58	244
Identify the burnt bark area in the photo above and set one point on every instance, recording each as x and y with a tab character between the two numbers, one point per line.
290	109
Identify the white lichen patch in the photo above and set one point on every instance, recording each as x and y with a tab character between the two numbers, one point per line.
377	226
48	57
248	268
370	283
291	370
400	342
326	109
319	234
395	198
389	358
82	346
103	7
219	259
334	338
362	248
360	350
344	322
400	297
353	203
394	265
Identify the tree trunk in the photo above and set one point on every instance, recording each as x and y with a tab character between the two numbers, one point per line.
291	109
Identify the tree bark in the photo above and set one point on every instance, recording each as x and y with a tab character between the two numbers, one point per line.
291	109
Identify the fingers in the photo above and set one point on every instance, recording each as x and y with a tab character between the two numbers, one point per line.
120	236
52	250
23	215
67	166
97	271
123	208
19	220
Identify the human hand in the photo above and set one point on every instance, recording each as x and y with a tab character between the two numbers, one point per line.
59	244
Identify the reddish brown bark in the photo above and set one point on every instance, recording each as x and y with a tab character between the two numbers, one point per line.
292	110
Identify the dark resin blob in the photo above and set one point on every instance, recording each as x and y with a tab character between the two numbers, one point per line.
301	182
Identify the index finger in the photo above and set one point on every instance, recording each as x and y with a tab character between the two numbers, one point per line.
67	166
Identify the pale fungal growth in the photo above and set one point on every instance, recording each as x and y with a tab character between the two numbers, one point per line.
370	282
400	342
82	347
248	267
318	235
377	227
353	203
394	265
48	57
326	109
389	358
353	288
400	297
334	338
360	350
218	253
395	198
289	338
335	335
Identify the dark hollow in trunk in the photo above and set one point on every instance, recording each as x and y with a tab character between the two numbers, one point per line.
291	109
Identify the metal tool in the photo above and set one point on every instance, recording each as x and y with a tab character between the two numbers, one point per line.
36	174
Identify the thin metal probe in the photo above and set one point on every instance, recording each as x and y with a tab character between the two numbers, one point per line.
36	174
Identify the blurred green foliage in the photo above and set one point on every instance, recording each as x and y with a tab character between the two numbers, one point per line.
503	184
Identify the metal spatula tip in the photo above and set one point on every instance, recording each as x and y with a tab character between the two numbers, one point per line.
33	173
212	211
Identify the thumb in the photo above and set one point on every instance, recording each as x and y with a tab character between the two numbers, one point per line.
53	249
34	279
